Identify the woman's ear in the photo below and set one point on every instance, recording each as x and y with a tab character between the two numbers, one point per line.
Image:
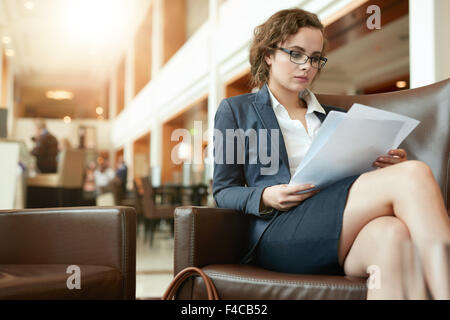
268	59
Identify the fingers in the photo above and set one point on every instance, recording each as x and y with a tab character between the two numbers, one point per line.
395	156
379	165
294	200
301	197
287	197
401	153
386	162
294	189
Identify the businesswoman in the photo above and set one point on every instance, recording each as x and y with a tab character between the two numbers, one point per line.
260	138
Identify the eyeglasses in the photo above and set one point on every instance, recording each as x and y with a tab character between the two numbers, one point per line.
298	57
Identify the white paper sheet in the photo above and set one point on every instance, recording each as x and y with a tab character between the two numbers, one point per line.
365	112
327	128
348	144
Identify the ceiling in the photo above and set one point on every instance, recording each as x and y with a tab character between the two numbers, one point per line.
378	56
68	43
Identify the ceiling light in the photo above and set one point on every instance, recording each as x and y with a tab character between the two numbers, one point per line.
99	110
100	28
193	131
67	119
401	84
59	95
29	5
10	52
6	39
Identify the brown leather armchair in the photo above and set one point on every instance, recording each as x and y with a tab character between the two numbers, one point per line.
37	246
210	238
61	189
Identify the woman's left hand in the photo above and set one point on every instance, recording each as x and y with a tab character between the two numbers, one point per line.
394	156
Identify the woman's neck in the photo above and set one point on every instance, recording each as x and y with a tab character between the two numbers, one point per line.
289	99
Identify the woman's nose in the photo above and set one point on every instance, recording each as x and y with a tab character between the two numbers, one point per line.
305	66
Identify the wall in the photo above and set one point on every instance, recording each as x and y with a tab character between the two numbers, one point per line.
197	14
4	79
24	129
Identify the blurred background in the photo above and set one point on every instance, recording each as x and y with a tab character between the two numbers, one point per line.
111	80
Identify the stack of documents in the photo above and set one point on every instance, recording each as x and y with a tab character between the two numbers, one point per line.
347	144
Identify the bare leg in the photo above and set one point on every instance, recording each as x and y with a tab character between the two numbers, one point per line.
407	191
370	251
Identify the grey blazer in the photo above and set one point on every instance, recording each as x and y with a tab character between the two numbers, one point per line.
243	165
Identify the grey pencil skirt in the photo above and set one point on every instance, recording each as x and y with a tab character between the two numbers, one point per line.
305	239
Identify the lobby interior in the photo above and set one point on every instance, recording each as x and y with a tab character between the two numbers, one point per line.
138	82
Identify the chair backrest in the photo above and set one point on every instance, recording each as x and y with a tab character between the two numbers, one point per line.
71	169
137	204
137	182
429	142
117	190
148	205
105	200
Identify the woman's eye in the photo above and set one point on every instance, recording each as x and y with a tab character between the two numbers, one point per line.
296	54
315	59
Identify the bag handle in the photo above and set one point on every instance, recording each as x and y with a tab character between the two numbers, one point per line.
182	276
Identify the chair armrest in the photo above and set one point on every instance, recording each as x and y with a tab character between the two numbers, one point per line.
49	180
103	236
205	235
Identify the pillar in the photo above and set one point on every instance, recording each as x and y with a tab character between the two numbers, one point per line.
215	92
157	37
156	152
429	44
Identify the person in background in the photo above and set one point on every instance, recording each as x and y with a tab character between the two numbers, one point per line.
89	178
64	145
103	176
122	172
45	149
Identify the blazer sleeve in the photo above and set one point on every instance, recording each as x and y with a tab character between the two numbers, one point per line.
229	183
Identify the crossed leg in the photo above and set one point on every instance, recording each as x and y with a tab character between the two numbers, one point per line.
385	207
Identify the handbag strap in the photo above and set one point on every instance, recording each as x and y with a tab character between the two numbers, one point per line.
185	274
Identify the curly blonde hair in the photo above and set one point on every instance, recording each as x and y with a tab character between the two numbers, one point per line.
275	30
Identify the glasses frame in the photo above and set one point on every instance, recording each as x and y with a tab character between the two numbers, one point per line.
308	58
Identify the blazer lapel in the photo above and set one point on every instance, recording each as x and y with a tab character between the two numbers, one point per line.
263	108
320	115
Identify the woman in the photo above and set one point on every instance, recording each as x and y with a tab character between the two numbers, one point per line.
355	223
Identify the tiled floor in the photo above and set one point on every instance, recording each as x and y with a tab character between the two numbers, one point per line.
154	265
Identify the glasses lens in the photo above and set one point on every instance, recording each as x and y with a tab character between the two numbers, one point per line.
315	62
298	57
321	63
318	62
301	58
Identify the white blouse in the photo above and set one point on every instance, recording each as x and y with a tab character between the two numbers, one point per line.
296	138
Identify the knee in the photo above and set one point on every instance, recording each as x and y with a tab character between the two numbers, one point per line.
395	233
391	246
387	234
415	172
387	237
391	234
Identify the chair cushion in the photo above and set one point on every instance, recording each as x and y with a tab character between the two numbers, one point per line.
49	281
251	282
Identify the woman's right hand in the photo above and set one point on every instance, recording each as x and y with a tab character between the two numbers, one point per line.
283	196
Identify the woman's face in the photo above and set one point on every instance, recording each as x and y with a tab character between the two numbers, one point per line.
286	75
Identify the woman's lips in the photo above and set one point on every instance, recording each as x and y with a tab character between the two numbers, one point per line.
302	79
